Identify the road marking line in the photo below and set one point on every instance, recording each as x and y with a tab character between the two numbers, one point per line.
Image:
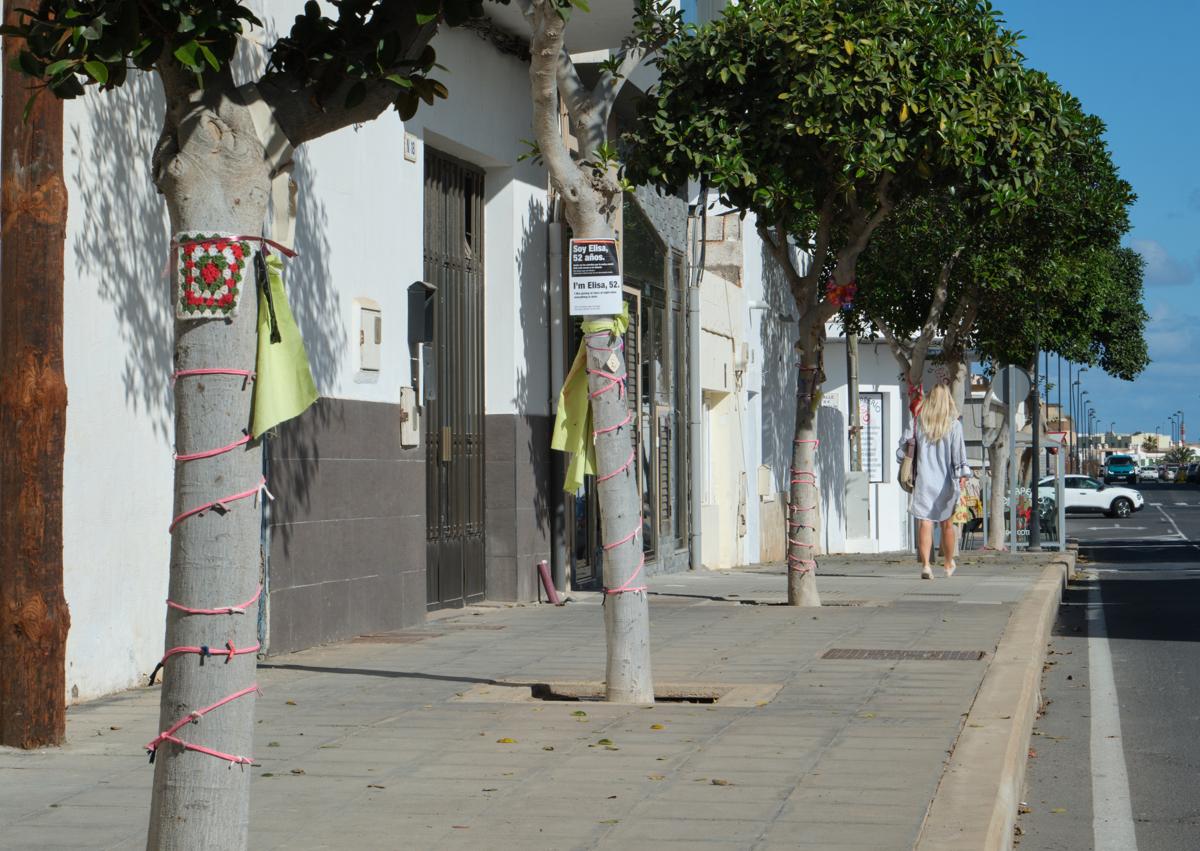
1175	526
1112	820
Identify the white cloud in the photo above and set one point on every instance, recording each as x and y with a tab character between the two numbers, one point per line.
1173	336
1162	270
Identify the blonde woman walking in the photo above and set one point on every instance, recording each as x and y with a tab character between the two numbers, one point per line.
940	459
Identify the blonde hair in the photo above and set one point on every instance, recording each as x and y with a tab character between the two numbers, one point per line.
938	413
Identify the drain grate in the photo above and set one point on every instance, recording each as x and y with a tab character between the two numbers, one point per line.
904	655
471	626
397	637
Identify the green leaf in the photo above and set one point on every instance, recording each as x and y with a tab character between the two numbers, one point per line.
209	57
423	19
56	68
402	82
186	54
97	70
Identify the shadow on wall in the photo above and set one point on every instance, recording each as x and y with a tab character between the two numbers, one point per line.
295	445
534	318
831	467
778	340
314	300
123	241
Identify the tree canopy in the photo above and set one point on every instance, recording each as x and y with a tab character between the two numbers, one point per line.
326	72
821	116
1052	277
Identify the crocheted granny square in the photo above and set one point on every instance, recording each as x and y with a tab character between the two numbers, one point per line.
209	273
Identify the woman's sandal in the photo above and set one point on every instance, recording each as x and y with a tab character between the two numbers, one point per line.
926	572
950	570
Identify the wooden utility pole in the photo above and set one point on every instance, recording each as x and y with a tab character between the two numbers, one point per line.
33	408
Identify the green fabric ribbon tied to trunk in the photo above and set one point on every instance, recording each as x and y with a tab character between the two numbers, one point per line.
573	430
284	386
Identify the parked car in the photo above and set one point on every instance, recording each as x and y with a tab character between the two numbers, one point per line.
1120	468
1193	473
1147	474
1083	494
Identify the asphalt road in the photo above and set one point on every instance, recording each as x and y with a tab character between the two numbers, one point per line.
1116	755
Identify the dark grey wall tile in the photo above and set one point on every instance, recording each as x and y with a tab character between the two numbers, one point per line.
533	532
347	526
500	532
499	431
498	484
339	489
501	578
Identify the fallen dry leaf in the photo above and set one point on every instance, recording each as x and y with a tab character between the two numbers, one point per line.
506	741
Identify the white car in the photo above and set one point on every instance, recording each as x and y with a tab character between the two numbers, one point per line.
1085	494
1147	474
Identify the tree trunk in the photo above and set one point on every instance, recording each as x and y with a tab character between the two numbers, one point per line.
804	497
212	172
998	471
959	376
33	410
626	606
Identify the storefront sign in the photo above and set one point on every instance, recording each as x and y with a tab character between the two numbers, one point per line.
595	278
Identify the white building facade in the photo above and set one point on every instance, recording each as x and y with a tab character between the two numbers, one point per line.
428	289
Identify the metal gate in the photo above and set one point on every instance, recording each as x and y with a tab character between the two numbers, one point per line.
454	414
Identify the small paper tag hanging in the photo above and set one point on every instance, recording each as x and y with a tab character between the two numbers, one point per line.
210	269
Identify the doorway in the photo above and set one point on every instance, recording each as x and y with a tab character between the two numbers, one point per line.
454	408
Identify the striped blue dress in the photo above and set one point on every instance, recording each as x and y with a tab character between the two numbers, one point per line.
939	467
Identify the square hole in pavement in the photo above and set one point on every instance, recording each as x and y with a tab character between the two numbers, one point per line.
712	694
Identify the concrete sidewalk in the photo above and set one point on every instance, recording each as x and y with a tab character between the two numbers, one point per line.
428	738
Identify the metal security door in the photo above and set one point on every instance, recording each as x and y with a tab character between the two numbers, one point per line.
454	416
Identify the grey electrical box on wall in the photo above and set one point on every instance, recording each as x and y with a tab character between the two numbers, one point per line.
410	418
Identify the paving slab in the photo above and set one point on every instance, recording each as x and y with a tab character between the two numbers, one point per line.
435	742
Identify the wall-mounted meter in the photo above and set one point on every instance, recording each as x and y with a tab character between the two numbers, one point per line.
370	338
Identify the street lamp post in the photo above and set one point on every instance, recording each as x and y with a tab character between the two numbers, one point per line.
1071	405
1078	391
1085	445
1093	421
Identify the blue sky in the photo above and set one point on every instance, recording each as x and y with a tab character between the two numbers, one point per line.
1135	66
